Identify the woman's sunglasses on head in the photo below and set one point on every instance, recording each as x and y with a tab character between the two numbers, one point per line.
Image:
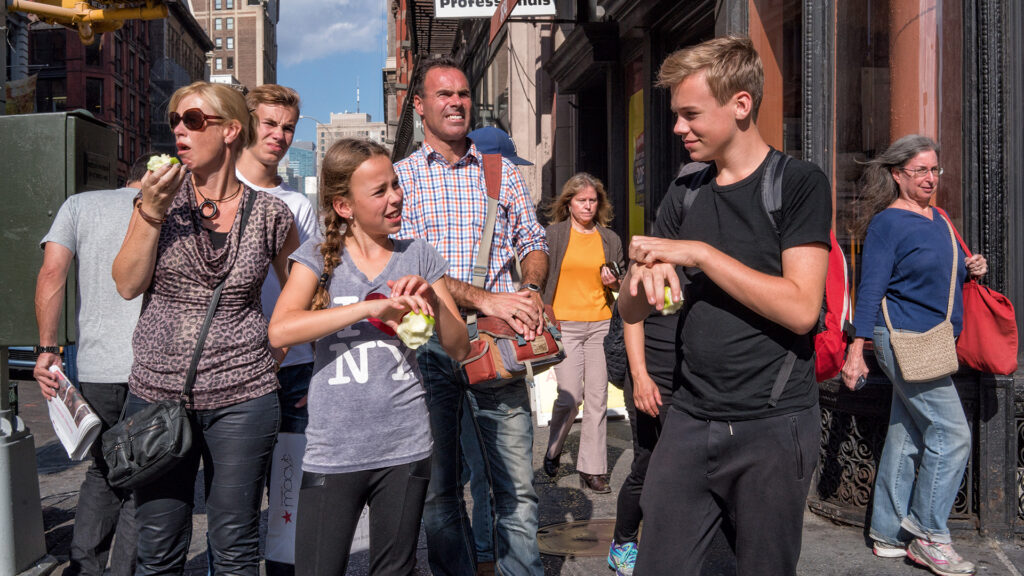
194	119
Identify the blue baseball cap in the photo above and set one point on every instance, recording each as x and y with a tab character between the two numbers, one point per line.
491	140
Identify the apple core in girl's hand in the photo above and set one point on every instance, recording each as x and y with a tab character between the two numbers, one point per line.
670	306
415	329
159	161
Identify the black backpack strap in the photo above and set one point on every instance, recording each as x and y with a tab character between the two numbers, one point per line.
771	199
771	186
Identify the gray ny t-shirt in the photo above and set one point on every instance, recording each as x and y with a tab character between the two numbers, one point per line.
367	405
92	226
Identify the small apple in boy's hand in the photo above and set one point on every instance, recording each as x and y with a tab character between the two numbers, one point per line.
670	306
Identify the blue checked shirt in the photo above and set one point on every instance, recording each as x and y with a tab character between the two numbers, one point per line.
446	204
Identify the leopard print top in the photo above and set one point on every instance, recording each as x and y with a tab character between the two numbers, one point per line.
236	364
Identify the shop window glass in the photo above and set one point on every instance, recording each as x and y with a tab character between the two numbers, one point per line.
490	95
899	71
776	28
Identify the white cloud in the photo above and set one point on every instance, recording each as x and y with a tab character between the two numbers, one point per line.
314	29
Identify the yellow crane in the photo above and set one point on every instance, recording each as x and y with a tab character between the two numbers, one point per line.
90	17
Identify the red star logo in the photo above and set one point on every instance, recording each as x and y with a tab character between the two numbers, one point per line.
287	517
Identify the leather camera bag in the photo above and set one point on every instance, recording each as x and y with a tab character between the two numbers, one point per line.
927	356
145	445
498	354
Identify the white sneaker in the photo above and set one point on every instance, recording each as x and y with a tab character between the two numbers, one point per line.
886	550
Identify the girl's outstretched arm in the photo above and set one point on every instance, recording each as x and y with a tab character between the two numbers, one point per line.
294	323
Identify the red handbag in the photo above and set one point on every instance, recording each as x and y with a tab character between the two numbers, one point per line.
988	341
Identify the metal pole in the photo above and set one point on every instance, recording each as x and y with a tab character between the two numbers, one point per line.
22	545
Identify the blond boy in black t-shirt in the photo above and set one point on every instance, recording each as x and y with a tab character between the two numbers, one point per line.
728	452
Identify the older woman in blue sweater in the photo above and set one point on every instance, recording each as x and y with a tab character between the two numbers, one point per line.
908	252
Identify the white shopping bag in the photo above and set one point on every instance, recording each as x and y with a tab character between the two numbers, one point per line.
283	498
285	480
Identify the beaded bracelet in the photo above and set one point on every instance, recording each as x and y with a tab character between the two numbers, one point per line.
148	218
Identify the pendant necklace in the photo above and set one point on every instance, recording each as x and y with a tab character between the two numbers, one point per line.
210	206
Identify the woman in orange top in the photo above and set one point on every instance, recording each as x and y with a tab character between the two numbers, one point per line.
579	289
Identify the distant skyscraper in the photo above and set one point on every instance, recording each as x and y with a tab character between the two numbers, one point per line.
244	34
302	159
347	126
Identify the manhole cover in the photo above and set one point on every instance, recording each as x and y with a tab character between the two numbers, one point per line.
580	538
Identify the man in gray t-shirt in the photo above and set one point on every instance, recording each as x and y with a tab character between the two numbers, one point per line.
90	226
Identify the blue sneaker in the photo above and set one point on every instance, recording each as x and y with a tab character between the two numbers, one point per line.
622	558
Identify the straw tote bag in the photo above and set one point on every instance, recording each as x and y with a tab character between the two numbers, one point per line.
927	356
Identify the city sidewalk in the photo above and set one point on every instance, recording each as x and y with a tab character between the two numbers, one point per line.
828	549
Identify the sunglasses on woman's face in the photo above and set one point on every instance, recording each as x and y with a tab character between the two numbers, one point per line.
193	118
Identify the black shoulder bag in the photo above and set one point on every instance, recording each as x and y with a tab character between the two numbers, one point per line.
145	445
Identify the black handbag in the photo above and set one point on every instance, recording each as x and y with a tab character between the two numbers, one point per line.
615	350
144	446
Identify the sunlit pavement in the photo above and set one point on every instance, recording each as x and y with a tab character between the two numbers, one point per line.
828	549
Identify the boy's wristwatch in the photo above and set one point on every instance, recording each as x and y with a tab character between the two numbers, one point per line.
532	288
47	350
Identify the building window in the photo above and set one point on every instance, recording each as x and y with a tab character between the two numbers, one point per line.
218	64
94	54
94	95
120	146
218	24
48	47
898	71
218	43
231	62
230	4
231	24
217	5
118	100
51	93
231	43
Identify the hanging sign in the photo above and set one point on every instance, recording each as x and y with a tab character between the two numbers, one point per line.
447	9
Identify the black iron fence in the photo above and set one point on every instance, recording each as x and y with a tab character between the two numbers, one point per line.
854	424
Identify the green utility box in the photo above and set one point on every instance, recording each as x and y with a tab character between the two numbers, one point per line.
44	159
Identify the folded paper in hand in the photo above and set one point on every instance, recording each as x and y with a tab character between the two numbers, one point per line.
74	421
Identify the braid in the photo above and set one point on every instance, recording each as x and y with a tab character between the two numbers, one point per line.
330	248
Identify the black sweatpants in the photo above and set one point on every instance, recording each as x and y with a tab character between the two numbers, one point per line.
753	474
329	509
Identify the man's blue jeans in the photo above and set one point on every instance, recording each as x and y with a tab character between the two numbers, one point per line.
928	435
506	429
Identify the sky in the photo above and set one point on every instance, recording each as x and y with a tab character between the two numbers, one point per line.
323	48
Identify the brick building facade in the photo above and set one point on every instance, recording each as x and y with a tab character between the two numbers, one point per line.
244	33
109	78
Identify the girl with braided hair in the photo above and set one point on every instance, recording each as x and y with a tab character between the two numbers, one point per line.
368	439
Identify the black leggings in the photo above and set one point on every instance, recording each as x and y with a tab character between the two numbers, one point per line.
646	430
329	509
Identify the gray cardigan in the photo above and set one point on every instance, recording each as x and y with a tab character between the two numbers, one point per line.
558	242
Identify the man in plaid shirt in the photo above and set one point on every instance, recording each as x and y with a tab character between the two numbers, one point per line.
446	204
